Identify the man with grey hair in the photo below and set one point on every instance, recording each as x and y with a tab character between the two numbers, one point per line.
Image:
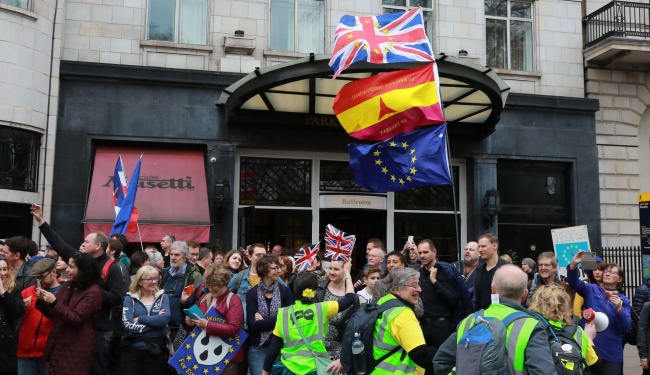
527	334
547	265
175	279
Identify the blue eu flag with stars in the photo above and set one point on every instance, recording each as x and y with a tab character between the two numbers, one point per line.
201	354
408	160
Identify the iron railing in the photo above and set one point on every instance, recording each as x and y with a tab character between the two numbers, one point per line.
617	19
628	258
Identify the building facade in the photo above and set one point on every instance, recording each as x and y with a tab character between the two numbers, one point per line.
143	76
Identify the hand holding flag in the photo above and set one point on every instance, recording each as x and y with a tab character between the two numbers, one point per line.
338	244
306	257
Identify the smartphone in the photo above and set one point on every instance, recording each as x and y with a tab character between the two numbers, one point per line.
189	289
588	261
410	240
38	284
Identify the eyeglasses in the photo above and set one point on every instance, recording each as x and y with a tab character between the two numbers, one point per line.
540	265
274	268
610	272
416	286
153	280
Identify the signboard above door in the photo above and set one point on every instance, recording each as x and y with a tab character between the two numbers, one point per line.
353	201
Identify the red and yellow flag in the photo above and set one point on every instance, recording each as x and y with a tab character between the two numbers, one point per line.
380	107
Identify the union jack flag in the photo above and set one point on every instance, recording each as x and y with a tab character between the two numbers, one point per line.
338	244
306	256
390	38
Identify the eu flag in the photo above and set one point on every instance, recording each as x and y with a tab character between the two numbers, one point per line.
202	354
408	160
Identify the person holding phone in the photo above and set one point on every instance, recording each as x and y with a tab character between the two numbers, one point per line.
145	314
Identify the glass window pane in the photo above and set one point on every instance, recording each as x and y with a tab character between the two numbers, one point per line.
390	10
192	23
311	26
399	3
18	159
275	182
438	227
496	43
520	10
429	198
283	14
521	45
337	176
420	3
17	3
496	8
161	20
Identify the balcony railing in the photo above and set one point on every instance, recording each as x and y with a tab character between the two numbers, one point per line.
617	19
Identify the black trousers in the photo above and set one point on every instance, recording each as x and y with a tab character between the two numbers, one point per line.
436	331
142	362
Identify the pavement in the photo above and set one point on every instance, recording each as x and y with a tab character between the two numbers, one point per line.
631	361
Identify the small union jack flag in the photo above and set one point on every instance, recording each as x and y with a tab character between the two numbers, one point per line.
306	256
389	38
338	244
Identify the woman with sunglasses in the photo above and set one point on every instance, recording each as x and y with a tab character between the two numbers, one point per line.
607	299
145	314
11	309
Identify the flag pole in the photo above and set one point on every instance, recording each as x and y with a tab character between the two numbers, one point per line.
453	193
137	224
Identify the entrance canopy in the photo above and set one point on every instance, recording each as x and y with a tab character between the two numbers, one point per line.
172	194
302	92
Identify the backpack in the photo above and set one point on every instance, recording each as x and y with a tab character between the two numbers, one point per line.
463	305
363	322
566	352
482	349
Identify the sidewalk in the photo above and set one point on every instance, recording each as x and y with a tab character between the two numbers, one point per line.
632	361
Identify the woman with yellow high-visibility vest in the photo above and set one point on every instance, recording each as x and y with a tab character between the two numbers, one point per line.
300	328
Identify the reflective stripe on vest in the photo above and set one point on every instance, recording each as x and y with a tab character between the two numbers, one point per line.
295	355
383	342
579	336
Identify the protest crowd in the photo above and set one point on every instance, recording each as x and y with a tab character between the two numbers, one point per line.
183	308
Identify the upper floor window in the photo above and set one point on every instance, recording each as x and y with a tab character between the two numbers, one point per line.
178	21
18	159
394	6
16	3
298	25
509	34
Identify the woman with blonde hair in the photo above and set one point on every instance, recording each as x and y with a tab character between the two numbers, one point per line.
554	304
11	309
145	314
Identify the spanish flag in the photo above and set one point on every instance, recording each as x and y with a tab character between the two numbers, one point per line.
382	106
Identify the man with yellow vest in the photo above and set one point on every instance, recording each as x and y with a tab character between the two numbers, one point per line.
526	342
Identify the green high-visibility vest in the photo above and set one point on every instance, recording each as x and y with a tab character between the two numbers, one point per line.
312	318
580	336
383	342
517	334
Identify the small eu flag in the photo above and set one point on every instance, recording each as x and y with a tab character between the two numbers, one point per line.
202	354
408	160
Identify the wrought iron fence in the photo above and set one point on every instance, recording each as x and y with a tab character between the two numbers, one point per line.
628	258
618	18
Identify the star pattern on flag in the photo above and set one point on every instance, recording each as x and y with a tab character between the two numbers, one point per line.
399	176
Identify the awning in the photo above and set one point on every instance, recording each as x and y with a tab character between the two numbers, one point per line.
172	193
301	92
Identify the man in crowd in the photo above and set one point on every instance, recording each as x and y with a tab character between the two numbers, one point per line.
175	279
528	334
469	264
528	266
375	257
547	264
166	247
205	259
114	252
124	256
277	250
155	257
35	328
195	249
488	249
110	282
438	296
16	250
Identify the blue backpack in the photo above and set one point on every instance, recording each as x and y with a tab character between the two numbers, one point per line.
482	349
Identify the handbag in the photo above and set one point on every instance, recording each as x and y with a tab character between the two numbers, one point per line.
321	362
630	337
181	335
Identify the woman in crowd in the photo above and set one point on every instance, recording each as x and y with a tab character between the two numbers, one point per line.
605	298
287	340
156	260
394	259
12	309
286	270
62	269
400	327
233	261
553	303
145	314
262	304
593	277
138	259
333	290
74	309
317	268
410	252
218	257
228	304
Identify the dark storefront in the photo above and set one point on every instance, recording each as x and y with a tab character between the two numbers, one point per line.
277	182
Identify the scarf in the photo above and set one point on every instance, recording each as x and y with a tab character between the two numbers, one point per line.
263	309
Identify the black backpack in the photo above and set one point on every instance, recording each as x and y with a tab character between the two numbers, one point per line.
363	322
566	352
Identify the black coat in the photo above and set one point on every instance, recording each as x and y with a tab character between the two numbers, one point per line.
641	295
12	309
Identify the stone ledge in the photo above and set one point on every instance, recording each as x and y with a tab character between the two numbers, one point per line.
176	47
19	11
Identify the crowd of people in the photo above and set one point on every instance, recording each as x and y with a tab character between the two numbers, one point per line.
96	310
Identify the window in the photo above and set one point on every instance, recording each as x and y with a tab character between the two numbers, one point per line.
509	34
16	3
178	21
18	159
394	6
275	182
298	25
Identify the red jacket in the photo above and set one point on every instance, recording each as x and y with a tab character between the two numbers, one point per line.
234	318
34	330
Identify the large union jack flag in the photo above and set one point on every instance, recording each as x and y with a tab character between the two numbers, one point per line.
338	244
390	38
306	256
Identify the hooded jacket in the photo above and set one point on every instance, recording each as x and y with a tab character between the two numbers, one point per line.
150	324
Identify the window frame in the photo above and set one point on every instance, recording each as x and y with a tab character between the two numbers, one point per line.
28	7
296	26
508	19
428	29
177	24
